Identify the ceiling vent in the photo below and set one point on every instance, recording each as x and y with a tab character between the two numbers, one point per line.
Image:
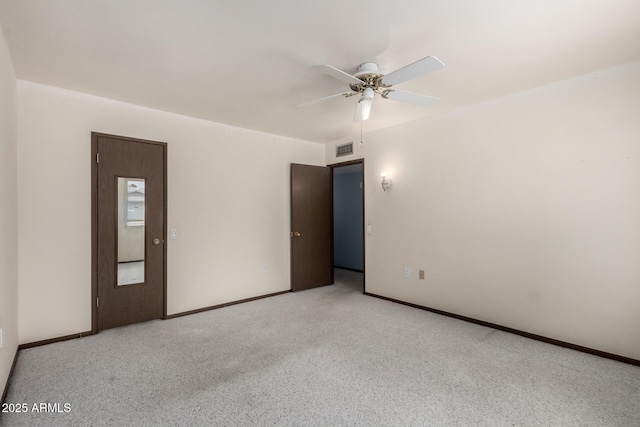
344	149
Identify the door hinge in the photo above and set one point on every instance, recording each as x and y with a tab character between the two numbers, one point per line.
97	301
97	157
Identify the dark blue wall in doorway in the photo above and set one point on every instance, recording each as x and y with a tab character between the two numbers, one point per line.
347	220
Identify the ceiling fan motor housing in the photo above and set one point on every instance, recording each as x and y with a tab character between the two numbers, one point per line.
368	73
366	68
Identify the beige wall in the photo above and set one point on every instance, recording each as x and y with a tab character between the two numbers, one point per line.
8	215
523	211
228	195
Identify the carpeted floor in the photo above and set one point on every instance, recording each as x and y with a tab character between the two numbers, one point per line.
324	357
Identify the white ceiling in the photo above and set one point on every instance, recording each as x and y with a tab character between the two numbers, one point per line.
247	63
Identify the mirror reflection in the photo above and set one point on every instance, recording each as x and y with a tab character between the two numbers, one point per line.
131	230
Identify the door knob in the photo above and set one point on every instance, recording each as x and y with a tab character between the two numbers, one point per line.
156	241
295	234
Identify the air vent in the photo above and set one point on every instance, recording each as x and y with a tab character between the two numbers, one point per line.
344	149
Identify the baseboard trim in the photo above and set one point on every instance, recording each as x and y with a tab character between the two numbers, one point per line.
172	316
226	304
6	386
54	340
548	340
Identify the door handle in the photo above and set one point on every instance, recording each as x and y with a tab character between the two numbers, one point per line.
156	241
295	234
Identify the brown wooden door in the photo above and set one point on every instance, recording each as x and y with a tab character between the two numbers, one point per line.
311	227
129	231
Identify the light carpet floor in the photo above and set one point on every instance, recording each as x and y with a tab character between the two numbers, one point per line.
324	357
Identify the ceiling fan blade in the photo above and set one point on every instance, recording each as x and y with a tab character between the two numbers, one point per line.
337	74
411	71
326	98
410	97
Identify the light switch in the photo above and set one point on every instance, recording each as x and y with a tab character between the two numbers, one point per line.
368	228
173	233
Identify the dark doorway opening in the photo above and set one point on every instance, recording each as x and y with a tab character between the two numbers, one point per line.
313	231
348	222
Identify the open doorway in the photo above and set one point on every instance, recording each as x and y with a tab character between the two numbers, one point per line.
348	224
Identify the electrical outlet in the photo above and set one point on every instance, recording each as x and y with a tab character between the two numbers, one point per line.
265	268
421	274
407	272
0	337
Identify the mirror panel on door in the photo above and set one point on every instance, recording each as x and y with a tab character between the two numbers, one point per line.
131	230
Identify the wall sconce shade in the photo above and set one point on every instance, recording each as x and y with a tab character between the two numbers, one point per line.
386	182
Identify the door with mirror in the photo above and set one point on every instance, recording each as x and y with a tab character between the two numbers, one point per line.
129	231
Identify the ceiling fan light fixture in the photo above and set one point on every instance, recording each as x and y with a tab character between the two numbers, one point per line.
367	94
365	108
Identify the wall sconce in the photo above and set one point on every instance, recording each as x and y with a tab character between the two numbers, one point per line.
386	182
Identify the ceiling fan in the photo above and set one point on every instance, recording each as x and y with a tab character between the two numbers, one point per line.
368	81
